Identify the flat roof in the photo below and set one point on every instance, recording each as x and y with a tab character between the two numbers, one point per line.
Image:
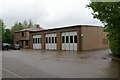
72	26
66	27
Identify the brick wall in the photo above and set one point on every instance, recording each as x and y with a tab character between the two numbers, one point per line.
88	38
93	38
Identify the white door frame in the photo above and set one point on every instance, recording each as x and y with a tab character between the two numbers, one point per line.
69	45
36	45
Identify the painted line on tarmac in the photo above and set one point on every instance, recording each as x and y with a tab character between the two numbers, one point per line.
12	73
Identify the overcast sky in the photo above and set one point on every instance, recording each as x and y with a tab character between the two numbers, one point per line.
48	13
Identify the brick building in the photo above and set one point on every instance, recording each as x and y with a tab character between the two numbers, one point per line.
77	37
22	37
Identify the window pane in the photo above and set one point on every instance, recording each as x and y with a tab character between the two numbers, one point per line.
52	39
26	43
49	39
17	42
22	34
67	39
71	39
75	39
63	39
38	40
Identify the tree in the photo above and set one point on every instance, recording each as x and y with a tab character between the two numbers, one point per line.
2	30
17	26
8	36
109	14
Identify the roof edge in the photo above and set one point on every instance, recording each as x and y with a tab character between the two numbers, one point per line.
62	27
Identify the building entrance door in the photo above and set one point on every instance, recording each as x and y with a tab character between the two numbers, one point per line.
51	41
36	41
69	40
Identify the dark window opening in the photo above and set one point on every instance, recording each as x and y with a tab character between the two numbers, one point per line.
67	39
22	34
46	39
26	43
35	40
71	39
38	40
52	39
63	39
49	39
17	42
75	39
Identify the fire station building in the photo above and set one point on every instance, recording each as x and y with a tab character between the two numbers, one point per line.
75	38
78	37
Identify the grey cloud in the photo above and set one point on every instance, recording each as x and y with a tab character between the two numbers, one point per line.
48	15
10	17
